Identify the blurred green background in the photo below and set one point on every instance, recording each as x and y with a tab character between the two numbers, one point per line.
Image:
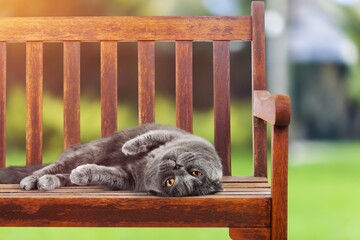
312	55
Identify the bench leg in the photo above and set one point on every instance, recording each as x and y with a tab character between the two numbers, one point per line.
279	183
249	233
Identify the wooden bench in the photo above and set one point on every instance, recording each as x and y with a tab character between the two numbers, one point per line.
249	206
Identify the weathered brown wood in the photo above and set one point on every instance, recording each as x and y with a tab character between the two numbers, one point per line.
232	186
17	29
247	185
222	103
146	67
97	207
2	104
275	109
279	181
258	83
245	192
184	94
243	179
248	205
34	92
108	87
71	93
250	233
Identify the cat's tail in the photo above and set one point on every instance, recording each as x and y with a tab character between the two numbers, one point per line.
13	175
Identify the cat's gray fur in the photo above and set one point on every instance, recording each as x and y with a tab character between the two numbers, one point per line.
140	159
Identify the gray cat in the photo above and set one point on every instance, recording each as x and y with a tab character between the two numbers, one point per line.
162	160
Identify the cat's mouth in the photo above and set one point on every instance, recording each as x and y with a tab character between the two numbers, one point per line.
156	193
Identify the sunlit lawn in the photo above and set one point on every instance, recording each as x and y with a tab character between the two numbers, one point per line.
324	198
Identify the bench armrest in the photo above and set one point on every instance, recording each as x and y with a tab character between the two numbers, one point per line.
274	109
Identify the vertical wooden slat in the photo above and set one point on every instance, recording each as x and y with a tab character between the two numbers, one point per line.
258	83
2	104
108	88
184	96
279	180
71	93
146	68
222	102
34	92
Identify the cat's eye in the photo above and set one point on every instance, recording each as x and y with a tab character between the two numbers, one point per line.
196	173
169	182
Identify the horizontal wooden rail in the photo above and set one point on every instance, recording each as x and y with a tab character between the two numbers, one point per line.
21	29
244	202
275	109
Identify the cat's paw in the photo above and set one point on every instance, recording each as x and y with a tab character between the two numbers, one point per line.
82	174
133	147
48	182
29	182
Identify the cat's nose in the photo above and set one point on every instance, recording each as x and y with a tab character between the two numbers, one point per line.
177	166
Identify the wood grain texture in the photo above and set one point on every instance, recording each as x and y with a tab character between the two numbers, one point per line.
34	92
71	93
92	206
108	88
2	104
247	205
250	233
258	83
222	103
20	29
132	211
184	85
258	46
275	109
279	182
146	78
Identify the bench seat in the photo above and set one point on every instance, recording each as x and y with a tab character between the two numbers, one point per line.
245	201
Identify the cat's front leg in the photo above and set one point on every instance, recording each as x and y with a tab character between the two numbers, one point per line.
50	182
108	177
147	141
29	182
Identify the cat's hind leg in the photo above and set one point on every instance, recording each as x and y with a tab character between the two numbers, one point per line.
68	160
113	178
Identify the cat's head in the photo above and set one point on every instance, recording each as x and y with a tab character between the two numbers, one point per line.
190	169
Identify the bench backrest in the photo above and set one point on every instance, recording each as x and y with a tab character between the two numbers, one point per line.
146	30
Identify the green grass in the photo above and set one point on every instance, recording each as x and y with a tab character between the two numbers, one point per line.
324	193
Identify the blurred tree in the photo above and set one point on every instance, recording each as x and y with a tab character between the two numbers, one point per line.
351	23
321	55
